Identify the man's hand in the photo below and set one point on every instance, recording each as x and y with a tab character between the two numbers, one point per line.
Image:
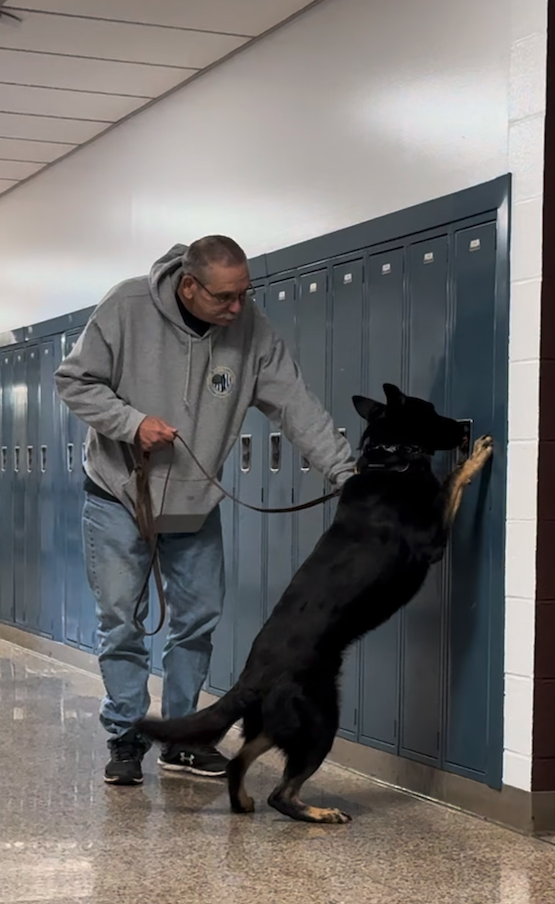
154	434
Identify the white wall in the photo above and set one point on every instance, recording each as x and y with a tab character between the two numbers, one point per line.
526	153
359	108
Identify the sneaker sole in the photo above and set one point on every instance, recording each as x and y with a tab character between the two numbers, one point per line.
119	781
171	767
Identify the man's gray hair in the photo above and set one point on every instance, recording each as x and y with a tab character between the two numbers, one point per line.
212	249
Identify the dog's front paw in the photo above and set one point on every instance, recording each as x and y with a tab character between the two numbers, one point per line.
483	450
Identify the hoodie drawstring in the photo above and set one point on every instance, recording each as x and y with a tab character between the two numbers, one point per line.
190	365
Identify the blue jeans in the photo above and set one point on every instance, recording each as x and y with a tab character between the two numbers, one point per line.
192	566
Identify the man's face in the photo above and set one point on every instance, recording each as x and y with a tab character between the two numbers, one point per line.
220	297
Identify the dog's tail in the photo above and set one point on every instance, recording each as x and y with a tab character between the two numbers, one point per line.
206	727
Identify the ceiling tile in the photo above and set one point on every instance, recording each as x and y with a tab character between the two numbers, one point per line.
114	41
244	17
15	169
6	183
32	151
42	128
50	71
69	104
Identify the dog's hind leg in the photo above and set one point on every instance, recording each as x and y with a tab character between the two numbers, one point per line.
301	764
237	769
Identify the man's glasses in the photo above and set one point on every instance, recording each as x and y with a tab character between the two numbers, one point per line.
227	298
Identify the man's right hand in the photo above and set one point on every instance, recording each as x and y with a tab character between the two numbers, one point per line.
154	434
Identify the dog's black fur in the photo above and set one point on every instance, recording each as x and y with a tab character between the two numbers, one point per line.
392	523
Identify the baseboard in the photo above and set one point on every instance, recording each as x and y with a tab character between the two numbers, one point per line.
525	811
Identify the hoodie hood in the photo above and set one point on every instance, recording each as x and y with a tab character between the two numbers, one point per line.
163	281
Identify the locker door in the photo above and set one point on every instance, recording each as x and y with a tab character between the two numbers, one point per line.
19	406
6	489
346	382
311	323
422	619
79	606
49	466
467	728
280	309
251	528
32	481
380	648
221	665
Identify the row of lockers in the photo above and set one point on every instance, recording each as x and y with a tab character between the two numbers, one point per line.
419	313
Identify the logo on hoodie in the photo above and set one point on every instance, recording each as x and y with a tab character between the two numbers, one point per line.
221	381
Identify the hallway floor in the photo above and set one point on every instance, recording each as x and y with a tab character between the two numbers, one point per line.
68	838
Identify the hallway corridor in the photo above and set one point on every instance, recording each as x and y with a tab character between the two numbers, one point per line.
65	837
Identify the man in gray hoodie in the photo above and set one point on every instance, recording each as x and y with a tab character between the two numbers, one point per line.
184	350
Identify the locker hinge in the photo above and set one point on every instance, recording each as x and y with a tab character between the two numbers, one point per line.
355	720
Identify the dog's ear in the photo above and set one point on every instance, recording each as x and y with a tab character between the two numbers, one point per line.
394	396
367	408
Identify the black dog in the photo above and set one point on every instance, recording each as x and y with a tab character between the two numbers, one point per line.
392	523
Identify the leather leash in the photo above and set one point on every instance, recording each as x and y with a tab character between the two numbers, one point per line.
145	520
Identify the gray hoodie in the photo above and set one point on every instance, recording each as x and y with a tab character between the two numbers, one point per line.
136	357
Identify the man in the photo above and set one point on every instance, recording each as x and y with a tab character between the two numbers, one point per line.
184	350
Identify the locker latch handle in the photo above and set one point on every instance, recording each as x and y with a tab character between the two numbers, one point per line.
275	452
342	431
83	454
16	452
43	459
4	458
29	459
246	451
464	450
69	457
305	465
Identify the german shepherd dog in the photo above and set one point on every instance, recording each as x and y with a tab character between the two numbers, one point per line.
392	523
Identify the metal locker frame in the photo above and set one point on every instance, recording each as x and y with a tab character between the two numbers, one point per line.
7	613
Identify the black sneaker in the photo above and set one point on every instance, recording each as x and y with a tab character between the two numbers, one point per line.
126	757
205	761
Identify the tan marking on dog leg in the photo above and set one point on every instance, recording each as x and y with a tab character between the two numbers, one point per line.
482	452
249	752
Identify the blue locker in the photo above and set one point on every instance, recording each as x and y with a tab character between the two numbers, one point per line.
250	528
19	409
79	604
381	649
32	484
280	308
6	488
221	666
346	366
49	465
250	463
312	358
422	619
473	389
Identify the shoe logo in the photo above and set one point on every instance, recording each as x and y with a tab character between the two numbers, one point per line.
188	758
